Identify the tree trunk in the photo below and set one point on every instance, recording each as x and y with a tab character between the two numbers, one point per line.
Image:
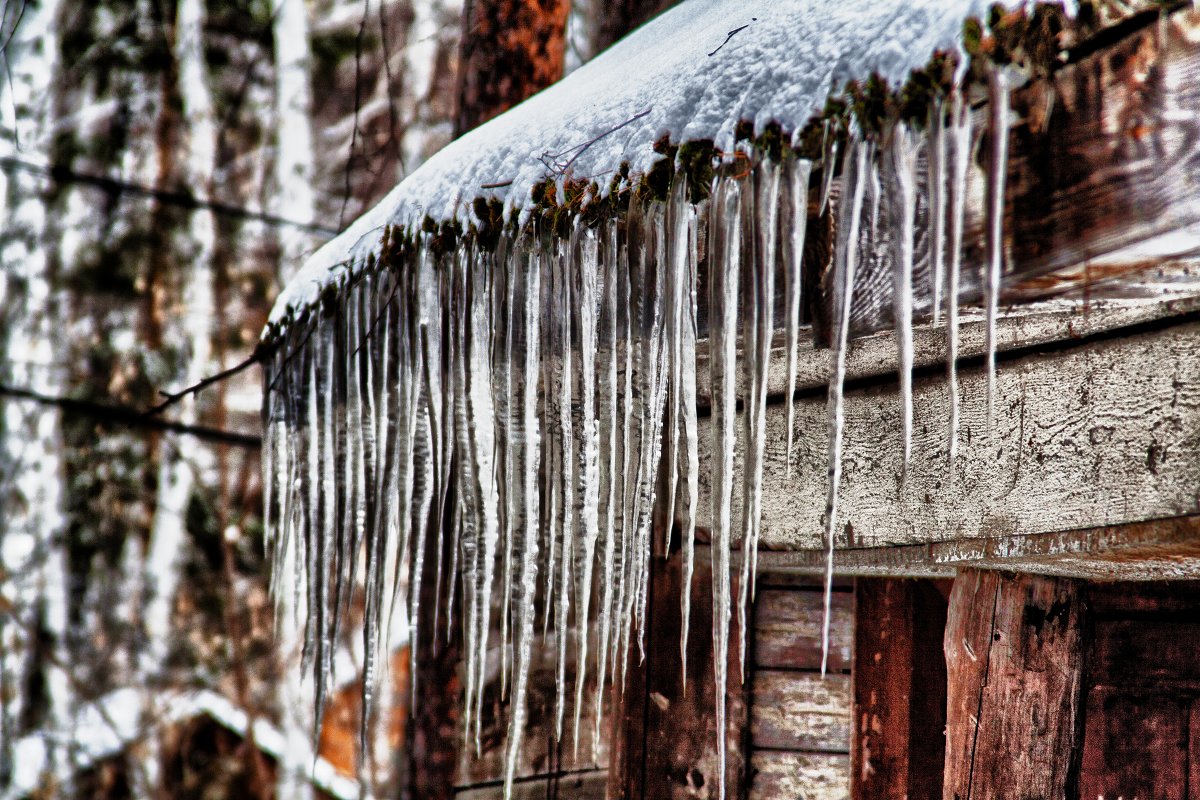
511	49
618	17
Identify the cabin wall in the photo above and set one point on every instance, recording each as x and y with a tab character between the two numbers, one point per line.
800	721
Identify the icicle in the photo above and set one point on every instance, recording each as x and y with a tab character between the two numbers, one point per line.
530	461
828	164
726	232
798	175
585	245
566	437
482	416
687	401
998	91
758	353
609	396
936	163
512	464
960	139
904	173
855	178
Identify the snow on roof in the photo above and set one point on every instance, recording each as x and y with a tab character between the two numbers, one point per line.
692	73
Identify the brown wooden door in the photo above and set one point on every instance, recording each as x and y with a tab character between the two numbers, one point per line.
1142	730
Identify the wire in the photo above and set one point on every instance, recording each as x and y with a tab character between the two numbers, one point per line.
183	199
132	418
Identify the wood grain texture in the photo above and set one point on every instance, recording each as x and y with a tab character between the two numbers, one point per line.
800	711
1101	174
1156	550
787	629
1014	660
540	752
899	714
1099	434
680	734
590	785
799	776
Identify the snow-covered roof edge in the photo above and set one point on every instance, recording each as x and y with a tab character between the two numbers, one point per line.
693	74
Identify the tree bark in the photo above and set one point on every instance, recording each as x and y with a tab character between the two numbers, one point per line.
618	17
511	49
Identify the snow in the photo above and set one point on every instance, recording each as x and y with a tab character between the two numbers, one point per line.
779	66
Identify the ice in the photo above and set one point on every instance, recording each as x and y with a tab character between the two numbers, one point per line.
798	175
903	168
998	91
855	178
935	153
725	232
960	140
518	411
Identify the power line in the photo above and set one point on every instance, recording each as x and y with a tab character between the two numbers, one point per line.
181	198
133	418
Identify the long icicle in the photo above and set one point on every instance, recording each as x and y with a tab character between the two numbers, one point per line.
798	176
903	204
855	178
723	338
530	463
588	308
998	92
687	401
960	120
936	165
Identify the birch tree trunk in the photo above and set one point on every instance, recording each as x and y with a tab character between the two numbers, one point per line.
33	578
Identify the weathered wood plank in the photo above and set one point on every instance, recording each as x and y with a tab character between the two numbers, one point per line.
800	711
1156	550
680	735
1092	435
540	753
1172	293
899	713
590	785
799	776
787	629
1014	653
1102	176
1136	745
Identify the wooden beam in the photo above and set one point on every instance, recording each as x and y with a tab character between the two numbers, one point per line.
1157	550
1086	435
1014	651
667	743
1100	178
899	689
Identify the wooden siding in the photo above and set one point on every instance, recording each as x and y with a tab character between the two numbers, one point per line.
799	720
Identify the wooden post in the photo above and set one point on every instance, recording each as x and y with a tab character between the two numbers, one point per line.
666	745
898	747
1014	647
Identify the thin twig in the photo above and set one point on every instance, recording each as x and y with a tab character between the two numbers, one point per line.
550	160
730	35
132	418
358	52
171	398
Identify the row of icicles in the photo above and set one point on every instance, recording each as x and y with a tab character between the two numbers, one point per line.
518	401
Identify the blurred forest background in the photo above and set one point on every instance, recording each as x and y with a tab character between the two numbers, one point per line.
165	166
